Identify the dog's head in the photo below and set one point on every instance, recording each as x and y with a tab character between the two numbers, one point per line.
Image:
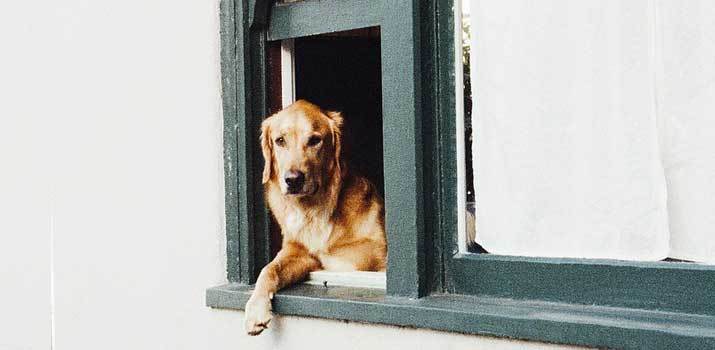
301	148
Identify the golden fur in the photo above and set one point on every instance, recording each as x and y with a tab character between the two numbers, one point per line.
335	222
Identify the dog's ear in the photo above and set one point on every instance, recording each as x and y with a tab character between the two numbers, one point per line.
336	125
267	149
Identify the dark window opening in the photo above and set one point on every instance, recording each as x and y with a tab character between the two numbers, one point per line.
341	72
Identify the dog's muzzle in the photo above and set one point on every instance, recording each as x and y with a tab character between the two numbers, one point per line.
294	181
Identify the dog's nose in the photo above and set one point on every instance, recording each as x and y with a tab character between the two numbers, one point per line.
294	180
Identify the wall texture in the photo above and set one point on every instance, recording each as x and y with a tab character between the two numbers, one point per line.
111	156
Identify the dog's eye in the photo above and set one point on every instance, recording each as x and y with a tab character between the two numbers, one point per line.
280	141
314	140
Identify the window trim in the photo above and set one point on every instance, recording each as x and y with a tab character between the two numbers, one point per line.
245	61
513	296
662	286
586	325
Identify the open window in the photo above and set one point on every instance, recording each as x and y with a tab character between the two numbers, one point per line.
434	277
338	71
303	40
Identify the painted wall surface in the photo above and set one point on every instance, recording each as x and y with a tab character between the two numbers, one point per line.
24	190
111	150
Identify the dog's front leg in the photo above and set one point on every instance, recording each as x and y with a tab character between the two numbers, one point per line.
292	264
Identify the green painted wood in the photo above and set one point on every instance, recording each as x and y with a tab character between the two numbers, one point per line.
242	60
402	140
260	10
665	286
447	142
596	326
431	146
258	100
230	155
244	165
312	17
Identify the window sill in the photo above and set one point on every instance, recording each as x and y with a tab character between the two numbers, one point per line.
359	279
598	326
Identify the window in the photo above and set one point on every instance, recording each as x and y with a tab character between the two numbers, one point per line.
430	282
338	71
580	136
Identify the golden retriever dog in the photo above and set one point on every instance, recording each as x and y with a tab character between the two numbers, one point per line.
329	218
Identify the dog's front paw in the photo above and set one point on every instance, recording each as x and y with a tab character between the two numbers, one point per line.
258	314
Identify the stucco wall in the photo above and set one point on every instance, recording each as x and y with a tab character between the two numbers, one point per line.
111	141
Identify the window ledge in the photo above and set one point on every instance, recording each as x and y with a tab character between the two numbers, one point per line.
588	325
364	279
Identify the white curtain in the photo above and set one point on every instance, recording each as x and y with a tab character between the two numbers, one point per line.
594	128
686	108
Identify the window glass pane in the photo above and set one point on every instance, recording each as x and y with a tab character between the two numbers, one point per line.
591	128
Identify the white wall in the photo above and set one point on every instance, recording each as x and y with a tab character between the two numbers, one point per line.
24	202
118	117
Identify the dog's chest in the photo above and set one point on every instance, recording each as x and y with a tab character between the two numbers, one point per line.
311	229
294	221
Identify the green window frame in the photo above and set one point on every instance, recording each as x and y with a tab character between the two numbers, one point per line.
602	303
